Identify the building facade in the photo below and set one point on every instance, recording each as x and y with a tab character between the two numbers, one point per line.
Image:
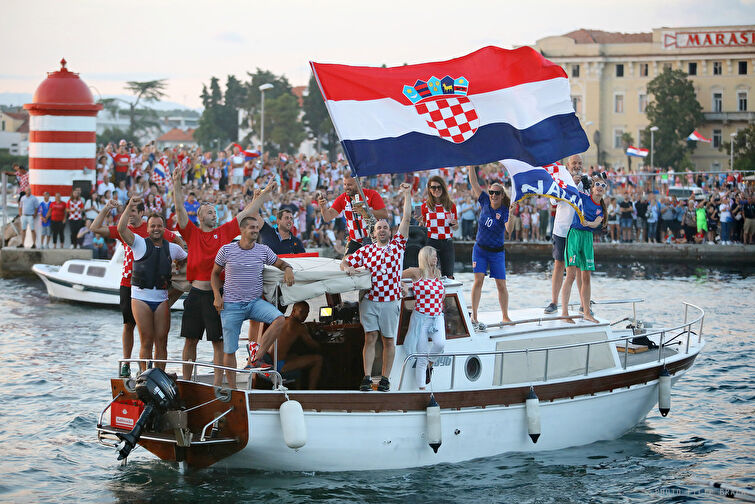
609	73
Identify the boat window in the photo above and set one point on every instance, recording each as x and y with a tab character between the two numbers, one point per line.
473	368
455	325
96	271
76	268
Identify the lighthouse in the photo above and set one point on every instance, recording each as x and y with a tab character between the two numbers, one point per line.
62	135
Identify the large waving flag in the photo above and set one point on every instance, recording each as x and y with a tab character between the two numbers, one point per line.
248	154
489	105
552	181
637	151
697	137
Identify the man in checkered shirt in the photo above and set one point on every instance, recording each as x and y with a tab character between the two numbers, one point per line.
353	211
379	310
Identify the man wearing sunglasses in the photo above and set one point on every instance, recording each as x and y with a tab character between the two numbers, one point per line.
561	225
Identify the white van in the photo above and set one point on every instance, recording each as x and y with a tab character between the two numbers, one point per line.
684	192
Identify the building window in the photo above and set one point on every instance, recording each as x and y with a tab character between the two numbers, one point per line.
742	101
643	69
617	134
716	138
576	102
619	70
718	99
742	68
692	68
643	103
618	103
718	68
575	70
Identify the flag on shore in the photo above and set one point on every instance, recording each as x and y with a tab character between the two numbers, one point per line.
637	151
552	181
697	137
491	104
248	154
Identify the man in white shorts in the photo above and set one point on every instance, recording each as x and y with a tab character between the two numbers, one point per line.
379	310
29	206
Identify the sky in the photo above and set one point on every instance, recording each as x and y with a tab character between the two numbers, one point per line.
186	42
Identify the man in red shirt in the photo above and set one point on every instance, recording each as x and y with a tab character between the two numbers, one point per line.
139	227
353	209
57	220
204	241
122	164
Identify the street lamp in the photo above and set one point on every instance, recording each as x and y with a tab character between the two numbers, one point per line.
731	151
653	129
263	88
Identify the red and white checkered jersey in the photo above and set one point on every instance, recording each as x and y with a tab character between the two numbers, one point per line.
128	254
354	221
437	221
156	207
75	209
428	295
385	264
23	182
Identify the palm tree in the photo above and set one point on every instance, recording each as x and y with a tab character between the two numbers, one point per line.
149	91
626	141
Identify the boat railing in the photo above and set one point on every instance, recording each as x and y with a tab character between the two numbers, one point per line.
540	320
266	372
685	329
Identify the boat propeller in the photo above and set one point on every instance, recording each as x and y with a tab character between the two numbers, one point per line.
159	393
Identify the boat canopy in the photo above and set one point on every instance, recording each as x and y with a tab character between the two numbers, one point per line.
314	277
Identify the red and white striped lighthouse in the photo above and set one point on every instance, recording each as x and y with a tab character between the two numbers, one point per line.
62	134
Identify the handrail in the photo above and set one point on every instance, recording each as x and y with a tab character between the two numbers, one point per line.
276	377
588	345
540	320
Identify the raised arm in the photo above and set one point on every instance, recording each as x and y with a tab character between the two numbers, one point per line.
178	199
328	213
476	189
126	234
253	208
406	217
97	226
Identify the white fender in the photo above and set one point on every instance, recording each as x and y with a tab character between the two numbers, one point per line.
664	392
434	435
292	424
532	407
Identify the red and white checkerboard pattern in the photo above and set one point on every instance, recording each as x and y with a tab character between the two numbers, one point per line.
454	117
385	264
354	223
437	221
75	209
428	295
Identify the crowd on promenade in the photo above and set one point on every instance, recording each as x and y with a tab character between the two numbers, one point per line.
638	207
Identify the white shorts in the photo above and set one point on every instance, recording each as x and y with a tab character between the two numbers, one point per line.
381	316
27	221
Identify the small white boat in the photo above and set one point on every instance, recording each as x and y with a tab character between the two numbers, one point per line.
533	385
94	281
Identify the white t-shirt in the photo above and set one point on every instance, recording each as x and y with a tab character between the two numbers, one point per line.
105	186
564	216
154	295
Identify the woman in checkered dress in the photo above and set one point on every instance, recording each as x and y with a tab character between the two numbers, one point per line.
440	217
427	323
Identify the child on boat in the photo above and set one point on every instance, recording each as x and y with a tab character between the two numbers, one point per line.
579	252
427	322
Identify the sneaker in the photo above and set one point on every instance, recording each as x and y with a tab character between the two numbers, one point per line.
592	313
384	385
366	385
125	370
479	326
551	308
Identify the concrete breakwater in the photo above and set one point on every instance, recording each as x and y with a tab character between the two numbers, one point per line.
18	261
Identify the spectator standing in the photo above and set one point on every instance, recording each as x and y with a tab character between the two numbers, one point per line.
58	221
439	216
29	206
44	217
75	215
748	230
625	218
689	221
653	216
641	208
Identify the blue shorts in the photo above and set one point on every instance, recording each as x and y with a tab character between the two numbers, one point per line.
559	247
268	359
482	260
234	314
625	222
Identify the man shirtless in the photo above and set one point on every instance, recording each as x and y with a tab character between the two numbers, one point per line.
286	334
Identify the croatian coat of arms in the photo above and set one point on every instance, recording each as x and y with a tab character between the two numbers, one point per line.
445	106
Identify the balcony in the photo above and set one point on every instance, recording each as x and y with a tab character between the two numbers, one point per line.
727	117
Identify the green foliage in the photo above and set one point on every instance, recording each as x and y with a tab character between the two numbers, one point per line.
210	132
744	149
317	119
113	135
283	130
626	141
7	160
674	108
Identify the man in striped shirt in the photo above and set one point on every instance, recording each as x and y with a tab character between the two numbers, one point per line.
241	299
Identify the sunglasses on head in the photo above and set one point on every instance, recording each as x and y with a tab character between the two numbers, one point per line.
495	193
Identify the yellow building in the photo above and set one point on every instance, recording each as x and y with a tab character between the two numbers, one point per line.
609	73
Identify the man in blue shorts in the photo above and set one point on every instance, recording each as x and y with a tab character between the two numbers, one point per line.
243	262
488	253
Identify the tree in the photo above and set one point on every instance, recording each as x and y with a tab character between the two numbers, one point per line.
149	91
252	104
626	141
210	132
317	119
283	130
744	149
675	110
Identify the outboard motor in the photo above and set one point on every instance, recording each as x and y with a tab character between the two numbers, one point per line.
159	393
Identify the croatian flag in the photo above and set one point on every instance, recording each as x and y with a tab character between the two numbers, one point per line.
248	154
159	176
697	137
552	181
637	151
489	105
